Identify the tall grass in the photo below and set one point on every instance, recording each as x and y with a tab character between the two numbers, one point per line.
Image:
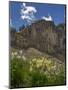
36	72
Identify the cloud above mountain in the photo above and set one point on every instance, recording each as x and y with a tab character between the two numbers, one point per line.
49	18
28	13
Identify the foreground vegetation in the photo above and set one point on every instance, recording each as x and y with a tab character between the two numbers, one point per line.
38	71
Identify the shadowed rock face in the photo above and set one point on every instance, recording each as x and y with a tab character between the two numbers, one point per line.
44	36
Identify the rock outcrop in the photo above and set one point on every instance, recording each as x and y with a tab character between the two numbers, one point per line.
44	36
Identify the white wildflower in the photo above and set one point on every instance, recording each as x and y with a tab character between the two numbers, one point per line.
15	53
23	57
18	57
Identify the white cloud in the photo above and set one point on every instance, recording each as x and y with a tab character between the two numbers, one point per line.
24	4
25	17
28	13
49	18
28	10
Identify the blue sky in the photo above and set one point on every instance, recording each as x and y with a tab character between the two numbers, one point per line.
56	11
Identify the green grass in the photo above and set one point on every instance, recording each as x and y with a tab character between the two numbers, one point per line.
36	72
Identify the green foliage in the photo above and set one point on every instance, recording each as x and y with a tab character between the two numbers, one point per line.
39	79
19	73
36	72
12	30
61	26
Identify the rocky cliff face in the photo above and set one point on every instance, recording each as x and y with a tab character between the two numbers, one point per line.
44	36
